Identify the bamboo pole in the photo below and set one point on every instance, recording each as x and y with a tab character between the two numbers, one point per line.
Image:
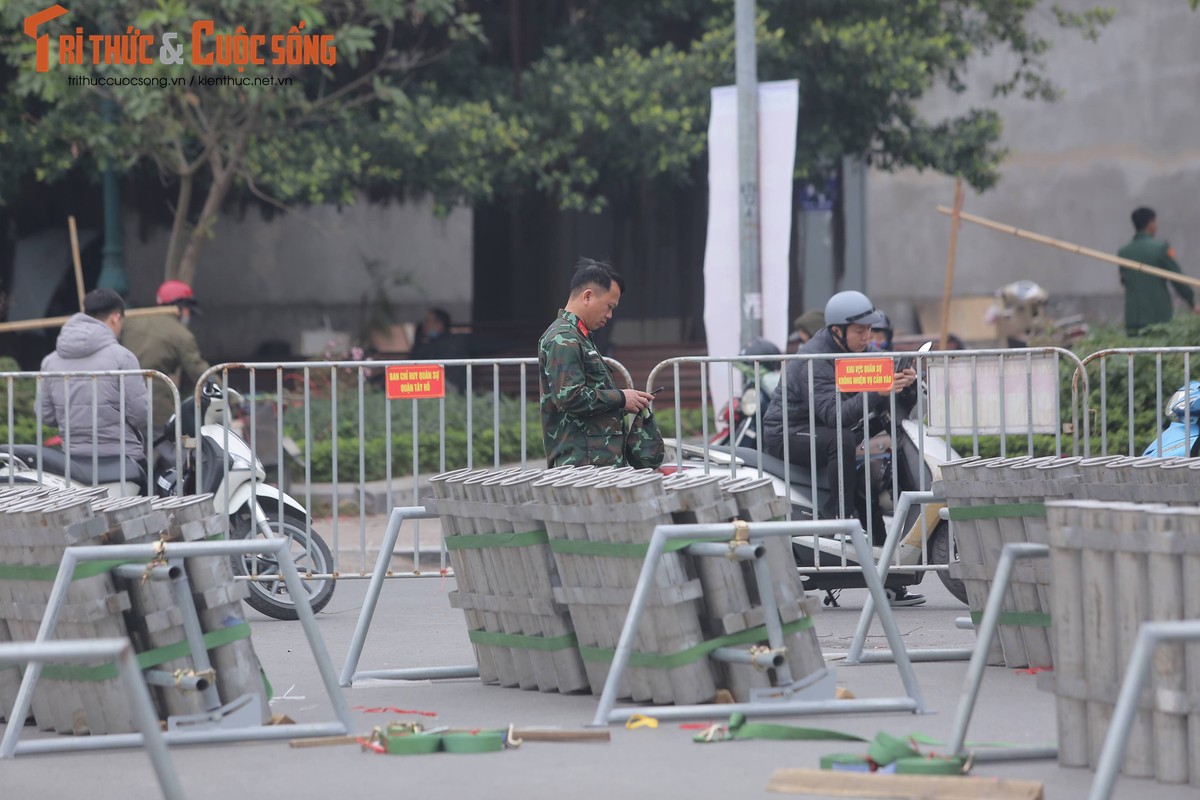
57	322
75	258
1165	274
956	216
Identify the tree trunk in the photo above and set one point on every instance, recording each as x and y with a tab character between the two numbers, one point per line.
223	174
182	208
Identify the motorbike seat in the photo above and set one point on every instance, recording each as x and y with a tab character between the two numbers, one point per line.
108	468
799	475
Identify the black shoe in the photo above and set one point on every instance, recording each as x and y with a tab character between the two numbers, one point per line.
899	598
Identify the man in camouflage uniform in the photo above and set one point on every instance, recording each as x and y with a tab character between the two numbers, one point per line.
583	411
1147	298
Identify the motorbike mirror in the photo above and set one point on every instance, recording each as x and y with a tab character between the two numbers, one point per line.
925	348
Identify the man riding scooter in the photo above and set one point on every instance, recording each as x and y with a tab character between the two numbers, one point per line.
849	317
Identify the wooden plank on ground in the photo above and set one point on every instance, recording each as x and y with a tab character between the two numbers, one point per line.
826	783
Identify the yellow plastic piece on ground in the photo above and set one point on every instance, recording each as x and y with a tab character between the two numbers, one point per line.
640	721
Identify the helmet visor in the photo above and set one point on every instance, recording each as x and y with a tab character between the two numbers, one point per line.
871	316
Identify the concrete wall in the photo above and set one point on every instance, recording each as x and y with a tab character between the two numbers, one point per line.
1126	133
267	280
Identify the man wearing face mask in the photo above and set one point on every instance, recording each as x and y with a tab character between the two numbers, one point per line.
164	343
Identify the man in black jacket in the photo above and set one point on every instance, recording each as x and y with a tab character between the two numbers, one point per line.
848	320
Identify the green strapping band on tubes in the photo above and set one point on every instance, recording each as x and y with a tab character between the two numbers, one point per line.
483	541
1001	511
146	660
1030	619
87	569
522	642
622	549
695	653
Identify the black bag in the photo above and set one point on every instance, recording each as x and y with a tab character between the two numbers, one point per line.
644	448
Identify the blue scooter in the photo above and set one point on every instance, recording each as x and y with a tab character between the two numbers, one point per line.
1182	437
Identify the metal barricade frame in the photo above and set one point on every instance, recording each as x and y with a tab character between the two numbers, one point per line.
121	651
72	556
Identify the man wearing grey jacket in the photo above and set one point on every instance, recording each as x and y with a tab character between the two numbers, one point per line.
107	416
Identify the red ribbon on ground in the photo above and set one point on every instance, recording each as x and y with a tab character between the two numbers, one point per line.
393	710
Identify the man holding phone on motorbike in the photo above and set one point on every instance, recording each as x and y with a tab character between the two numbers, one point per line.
849	317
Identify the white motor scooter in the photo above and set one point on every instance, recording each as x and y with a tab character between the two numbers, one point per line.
217	462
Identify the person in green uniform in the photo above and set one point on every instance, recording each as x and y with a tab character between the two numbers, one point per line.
1147	299
583	411
163	342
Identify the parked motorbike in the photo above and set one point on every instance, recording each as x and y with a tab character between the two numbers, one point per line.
739	422
227	469
1181	437
913	459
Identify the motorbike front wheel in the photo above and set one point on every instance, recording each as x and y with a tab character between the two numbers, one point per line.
271	597
939	553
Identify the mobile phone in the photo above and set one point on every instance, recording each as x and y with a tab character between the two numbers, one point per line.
907	362
659	389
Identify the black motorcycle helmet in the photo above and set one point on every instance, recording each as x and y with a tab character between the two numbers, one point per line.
760	347
884	326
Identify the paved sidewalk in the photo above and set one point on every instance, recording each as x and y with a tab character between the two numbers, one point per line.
415	627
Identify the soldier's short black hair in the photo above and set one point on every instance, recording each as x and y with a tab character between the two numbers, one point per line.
101	303
589	272
1142	217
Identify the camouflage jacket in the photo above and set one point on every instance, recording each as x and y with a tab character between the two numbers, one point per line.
583	417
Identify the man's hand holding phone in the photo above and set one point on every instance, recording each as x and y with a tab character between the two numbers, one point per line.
637	401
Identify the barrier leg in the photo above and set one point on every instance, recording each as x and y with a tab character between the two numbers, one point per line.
371	601
131	675
1150	635
895	535
987	631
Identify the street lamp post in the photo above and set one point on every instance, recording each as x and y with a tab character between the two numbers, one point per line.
748	212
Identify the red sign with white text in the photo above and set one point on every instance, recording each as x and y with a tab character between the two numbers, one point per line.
416	381
864	374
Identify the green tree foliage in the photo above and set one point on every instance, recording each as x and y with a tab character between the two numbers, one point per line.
470	99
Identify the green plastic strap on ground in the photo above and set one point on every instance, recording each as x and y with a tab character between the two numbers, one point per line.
739	728
692	654
483	541
87	569
146	660
930	765
521	642
622	549
481	742
1029	619
1001	511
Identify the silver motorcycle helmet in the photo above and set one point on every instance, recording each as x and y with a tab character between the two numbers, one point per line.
852	308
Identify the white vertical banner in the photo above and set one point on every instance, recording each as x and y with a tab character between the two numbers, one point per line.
778	110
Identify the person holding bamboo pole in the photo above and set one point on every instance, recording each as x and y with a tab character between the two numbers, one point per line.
1147	300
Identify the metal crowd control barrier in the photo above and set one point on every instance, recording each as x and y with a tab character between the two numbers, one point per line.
82	388
987	632
1150	636
322	387
37	653
1166	360
979	393
786	703
73	556
350	671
